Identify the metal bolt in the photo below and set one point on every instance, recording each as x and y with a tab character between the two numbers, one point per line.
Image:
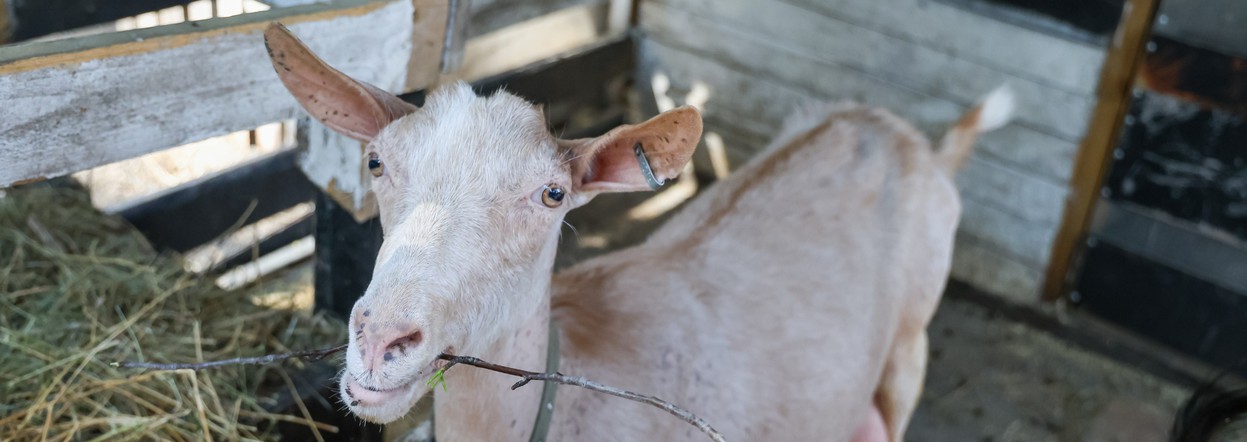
1162	19
1151	46
1075	297
1091	241
1129	120
1118	154
1106	192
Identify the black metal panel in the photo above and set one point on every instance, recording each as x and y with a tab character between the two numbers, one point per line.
1171	307
1184	160
195	213
346	252
36	18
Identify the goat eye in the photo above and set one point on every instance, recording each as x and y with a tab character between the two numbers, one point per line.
552	196
374	165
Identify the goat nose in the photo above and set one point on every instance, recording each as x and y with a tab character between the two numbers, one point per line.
390	346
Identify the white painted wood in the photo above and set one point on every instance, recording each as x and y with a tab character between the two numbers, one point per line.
994	272
492	15
530	41
1025	241
1033	199
618	15
1020	51
1047	155
738	31
112	97
759	100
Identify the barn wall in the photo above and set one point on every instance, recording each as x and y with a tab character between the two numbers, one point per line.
754	61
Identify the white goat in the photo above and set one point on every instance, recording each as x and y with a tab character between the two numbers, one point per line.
789	302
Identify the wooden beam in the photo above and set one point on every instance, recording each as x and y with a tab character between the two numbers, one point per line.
1117	79
78	103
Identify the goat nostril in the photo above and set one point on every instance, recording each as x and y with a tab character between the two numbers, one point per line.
401	344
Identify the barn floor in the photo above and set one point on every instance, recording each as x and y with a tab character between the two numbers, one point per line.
994	379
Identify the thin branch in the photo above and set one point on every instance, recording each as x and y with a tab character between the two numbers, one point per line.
313	355
524	375
529	376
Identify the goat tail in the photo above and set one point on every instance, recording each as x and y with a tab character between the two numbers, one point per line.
994	111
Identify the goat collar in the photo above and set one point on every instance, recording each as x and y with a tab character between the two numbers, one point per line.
545	409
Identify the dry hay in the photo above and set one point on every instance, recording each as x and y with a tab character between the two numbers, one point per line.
79	290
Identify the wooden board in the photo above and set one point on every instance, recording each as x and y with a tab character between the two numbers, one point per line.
79	103
986	269
1091	164
757	105
1023	146
741	30
492	15
1021	52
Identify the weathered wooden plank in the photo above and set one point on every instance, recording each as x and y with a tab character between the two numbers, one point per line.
1022	52
759	102
79	103
739	30
492	15
1036	200
987	222
1021	146
6	21
530	41
994	272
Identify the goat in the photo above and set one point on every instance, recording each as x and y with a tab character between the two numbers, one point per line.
788	302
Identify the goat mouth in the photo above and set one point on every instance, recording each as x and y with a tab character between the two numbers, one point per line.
359	394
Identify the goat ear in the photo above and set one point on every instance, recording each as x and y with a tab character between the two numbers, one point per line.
610	163
352	108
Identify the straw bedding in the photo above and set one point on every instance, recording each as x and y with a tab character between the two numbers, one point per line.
80	290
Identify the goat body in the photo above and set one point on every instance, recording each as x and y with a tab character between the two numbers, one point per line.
787	302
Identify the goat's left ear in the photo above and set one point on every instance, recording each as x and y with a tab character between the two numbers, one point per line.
610	163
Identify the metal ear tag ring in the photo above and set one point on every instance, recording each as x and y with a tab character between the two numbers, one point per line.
654	183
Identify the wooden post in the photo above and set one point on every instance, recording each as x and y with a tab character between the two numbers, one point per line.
77	103
1117	79
6	21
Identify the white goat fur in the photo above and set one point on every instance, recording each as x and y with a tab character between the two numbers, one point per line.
784	303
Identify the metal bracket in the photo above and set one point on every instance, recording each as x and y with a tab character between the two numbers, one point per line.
654	182
456	35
